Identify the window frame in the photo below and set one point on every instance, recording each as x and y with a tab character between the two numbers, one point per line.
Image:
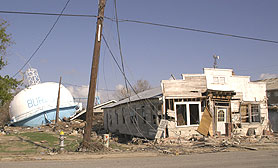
250	113
187	113
123	116
117	117
144	116
221	118
219	80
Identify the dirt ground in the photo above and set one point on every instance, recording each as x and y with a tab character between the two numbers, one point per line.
42	143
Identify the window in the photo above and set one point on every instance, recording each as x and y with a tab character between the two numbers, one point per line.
187	113
219	80
110	120
268	94
221	115
244	112
135	115
131	114
194	113
181	111
255	113
170	104
203	105
117	117
250	113
159	107
152	107
154	119
215	80
275	93
107	119
123	115
222	80
144	114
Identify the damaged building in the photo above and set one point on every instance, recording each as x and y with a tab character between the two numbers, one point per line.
217	102
138	115
272	99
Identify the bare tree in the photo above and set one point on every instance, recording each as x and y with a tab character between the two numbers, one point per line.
140	86
122	93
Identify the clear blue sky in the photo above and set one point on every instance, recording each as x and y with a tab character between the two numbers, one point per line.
150	52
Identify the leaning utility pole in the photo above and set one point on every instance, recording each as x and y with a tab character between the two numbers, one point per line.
58	104
93	79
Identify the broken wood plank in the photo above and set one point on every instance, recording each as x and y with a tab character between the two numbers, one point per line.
162	125
205	123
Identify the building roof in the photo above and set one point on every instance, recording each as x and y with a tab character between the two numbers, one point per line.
147	94
271	84
105	103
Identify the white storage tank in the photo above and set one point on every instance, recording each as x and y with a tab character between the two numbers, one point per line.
36	105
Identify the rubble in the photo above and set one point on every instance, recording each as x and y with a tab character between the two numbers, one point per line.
200	144
165	146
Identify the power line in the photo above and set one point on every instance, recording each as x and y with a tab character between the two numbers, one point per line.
145	22
43	39
47	14
103	62
120	48
198	30
111	53
84	86
123	69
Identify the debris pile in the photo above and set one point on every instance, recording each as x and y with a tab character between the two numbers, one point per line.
125	143
195	144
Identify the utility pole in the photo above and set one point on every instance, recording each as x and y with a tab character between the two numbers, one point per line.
93	79
58	104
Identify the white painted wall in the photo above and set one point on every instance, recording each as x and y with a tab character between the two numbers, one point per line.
245	91
251	91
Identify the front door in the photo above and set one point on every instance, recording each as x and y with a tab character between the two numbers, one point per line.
221	119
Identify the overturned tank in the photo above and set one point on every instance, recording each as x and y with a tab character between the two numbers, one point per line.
36	105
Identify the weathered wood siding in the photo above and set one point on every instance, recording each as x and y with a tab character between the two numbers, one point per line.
191	86
135	118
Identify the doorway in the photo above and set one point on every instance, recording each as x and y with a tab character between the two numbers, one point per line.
221	119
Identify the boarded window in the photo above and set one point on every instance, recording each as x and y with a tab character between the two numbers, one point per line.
250	113
275	93
244	112
110	120
131	114
154	119
152	107
117	118
123	115
159	107
144	115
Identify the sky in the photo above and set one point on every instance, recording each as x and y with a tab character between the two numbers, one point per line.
151	53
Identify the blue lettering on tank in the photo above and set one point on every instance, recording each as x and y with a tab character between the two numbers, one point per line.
35	102
30	103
